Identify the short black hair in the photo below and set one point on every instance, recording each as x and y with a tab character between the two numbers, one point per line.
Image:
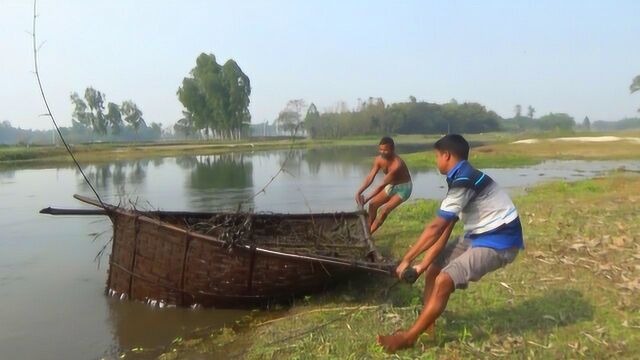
387	140
455	144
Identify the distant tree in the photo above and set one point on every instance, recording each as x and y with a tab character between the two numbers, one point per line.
412	99
114	118
95	102
530	112
217	96
518	110
586	123
185	125
291	116
132	115
80	116
558	121
311	121
635	86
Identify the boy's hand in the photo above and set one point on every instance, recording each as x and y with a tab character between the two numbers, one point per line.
360	199
401	267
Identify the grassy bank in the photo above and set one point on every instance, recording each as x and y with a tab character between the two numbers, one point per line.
506	154
572	293
499	153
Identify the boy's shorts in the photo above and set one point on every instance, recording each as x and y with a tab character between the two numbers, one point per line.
402	190
464	263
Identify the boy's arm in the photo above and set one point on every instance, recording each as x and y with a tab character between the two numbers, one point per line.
367	181
430	234
435	249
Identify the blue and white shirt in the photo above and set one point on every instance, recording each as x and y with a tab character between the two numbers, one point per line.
490	218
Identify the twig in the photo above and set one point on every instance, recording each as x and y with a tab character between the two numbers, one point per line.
362	307
46	104
282	169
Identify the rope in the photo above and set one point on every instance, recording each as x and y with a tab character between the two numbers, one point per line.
49	113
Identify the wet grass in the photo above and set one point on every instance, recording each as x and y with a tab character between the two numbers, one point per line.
572	293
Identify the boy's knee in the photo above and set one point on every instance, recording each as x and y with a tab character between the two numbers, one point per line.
384	212
432	271
444	283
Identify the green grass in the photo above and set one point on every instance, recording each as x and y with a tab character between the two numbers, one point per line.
572	293
505	154
499	153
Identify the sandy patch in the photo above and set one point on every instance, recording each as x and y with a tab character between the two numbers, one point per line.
583	139
526	141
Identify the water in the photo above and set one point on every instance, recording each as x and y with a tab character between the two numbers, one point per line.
52	293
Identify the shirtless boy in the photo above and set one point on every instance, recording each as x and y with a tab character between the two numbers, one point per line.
395	187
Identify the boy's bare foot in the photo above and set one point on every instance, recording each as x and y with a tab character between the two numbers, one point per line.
392	343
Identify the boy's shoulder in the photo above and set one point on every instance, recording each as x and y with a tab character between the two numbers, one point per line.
467	176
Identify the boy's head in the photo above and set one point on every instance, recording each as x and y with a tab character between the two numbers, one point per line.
386	147
450	149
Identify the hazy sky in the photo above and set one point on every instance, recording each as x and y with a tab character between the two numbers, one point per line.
560	56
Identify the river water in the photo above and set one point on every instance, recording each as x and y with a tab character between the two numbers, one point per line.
52	302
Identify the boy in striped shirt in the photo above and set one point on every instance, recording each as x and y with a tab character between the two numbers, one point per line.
492	238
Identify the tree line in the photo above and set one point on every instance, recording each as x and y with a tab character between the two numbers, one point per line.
89	113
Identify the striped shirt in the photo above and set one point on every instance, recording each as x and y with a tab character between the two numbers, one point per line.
490	218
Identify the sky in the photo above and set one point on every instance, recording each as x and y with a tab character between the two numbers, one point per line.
577	57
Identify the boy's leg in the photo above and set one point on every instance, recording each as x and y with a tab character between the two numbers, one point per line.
442	289
391	204
375	204
429	281
452	250
460	264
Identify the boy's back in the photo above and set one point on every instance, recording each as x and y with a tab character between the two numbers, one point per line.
482	206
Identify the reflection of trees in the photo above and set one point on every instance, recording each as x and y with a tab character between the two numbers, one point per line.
109	176
7	174
344	158
221	172
138	171
218	181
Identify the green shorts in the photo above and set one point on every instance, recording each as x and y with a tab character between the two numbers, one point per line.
402	190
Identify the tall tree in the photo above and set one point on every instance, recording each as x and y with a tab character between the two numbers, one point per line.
217	97
132	115
518	110
635	86
311	121
114	118
530	112
291	116
80	116
586	123
238	89
95	102
185	125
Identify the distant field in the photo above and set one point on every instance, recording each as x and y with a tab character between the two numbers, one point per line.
507	154
497	149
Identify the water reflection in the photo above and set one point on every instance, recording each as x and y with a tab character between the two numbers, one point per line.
215	182
116	177
136	325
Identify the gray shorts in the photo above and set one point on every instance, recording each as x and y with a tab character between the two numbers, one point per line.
464	263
